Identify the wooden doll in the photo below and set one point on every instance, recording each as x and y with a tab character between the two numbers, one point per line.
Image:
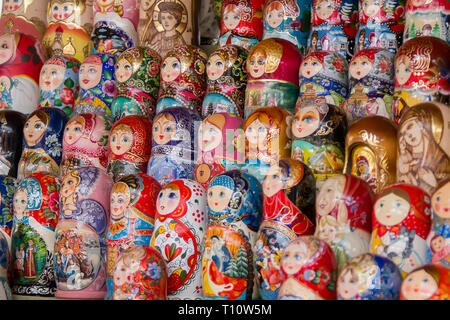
429	282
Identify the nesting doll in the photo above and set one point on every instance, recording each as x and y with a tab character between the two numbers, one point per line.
80	247
334	24
97	85
11	135
5	290
129	147
371	151
381	24
235	210
140	274
7	190
36	211
429	282
241	23
132	219
424	146
227	80
85	141
272	70
164	24
58	83
137	80
221	146
323	78
369	277
174	152
371	84
183	79
344	210
20	65
180	226
115	26
69	28
318	132
308	269
288	212
401	221
421	74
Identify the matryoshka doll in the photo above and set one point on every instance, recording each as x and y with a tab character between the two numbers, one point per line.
221	146
11	134
421	66
227	79
369	277
344	209
424	146
429	282
129	147
183	79
36	212
288	212
97	85
137	80
85	142
272	71
318	132
173	145
371	151
58	83
235	211
80	247
241	23
132	219
140	274
401	221
69	28
323	78
267	140
309	270
180	226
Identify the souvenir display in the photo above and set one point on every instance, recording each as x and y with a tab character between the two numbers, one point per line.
227	79
308	269
421	66
137	80
241	23
69	28
85	142
334	25
267	139
129	147
288	212
371	151
235	210
429	282
97	85
58	83
424	146
371	84
401	221
344	210
319	130
272	70
369	277
36	212
140	274
173	153
221	146
5	290
7	189
11	133
20	65
183	79
80	247
323	78
180	226
166	24
133	209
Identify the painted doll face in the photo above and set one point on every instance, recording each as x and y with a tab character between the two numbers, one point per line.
33	130
411	131
168	21
62	11
119	202
51	76
69	185
402	70
231	17
257	64
305	122
7	46
419	285
391	209
256	132
371	7
163	130
73	131
441	202
275	14
171	69
210	135
273	181
124	70
327	233
121	140
324	9
360	67
215	67
168	200
90	75
329	194
12	5
20	202
294	257
219	197
310	67
122	274
437	244
347	285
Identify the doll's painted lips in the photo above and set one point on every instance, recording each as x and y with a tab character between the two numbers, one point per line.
47	83
161	207
86	81
161	136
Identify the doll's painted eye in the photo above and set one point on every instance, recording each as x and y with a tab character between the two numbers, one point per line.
120	200
92	70
168	129
314	64
175	66
127	67
307	119
210	194
381	205
438	199
261	129
222	194
236	17
54	73
77	129
4	46
113	139
398	204
172	195
125	139
160	195
66	8
298	257
261	62
425	280
219	64
38	126
55	8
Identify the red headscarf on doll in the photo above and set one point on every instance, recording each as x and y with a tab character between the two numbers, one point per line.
181	209
250	23
333	19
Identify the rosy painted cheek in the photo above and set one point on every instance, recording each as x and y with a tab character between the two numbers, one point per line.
66	15
55	15
437	207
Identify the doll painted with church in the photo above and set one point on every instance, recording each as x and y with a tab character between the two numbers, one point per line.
11	133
